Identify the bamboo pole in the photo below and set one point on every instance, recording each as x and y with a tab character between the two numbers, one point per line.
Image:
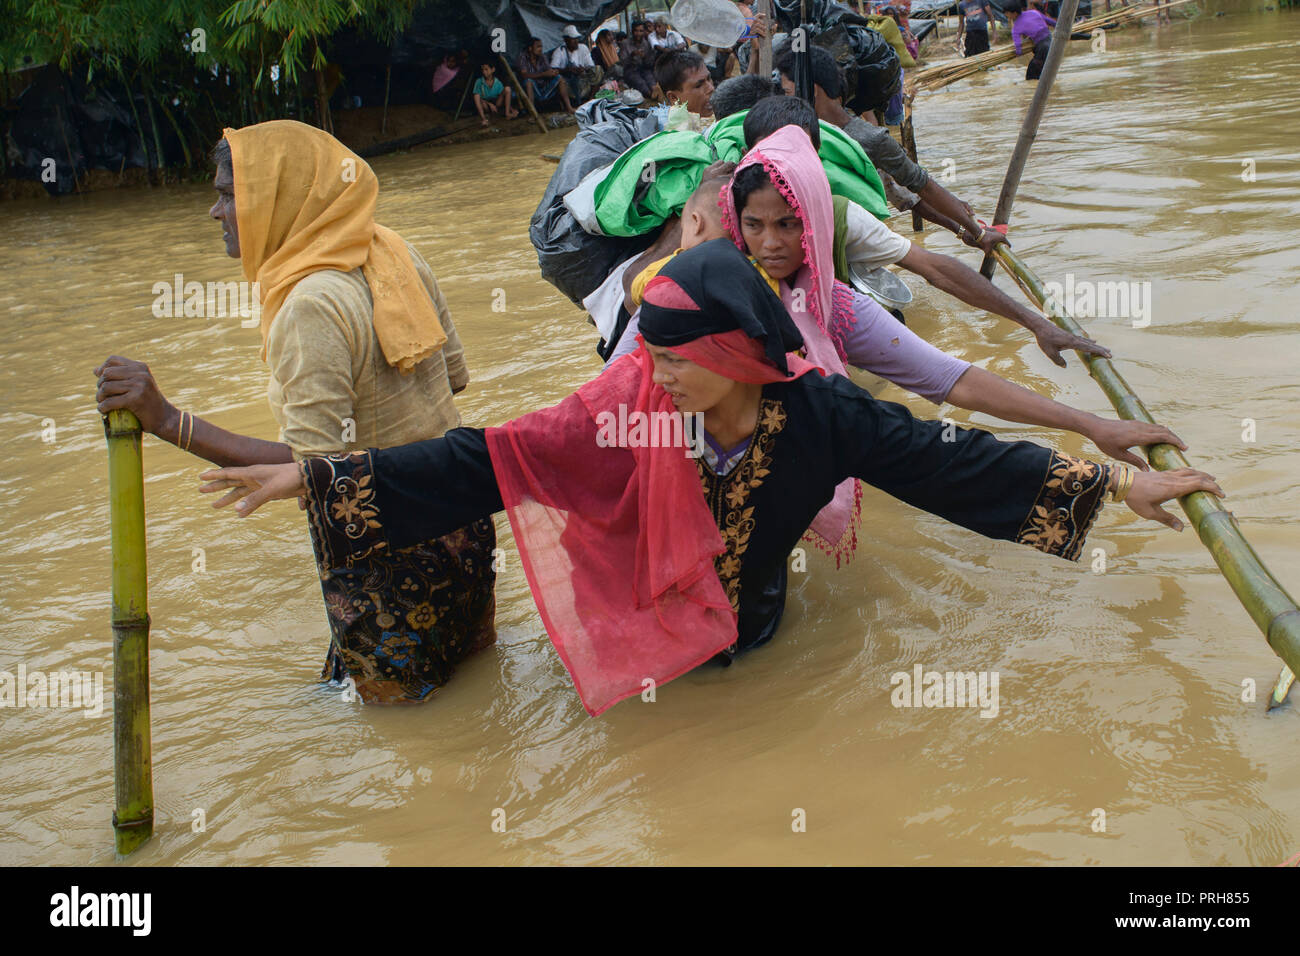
469	81
1029	128
388	79
520	90
765	44
1269	605
132	750
908	132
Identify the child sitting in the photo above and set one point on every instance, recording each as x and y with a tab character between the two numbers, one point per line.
488	91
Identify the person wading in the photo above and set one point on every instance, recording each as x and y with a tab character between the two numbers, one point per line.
645	562
297	209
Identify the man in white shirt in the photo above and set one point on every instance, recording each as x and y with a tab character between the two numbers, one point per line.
664	39
573	59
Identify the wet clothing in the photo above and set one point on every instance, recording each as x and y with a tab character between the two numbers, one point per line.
811	434
975	41
350	369
1035	68
644	561
399	622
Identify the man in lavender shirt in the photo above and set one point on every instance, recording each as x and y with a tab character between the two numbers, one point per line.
1032	25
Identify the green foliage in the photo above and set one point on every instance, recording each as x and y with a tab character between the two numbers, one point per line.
206	63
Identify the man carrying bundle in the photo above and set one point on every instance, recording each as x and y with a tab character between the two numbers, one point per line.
1034	25
907	184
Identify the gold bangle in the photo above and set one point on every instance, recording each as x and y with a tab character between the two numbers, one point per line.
189	434
1122	484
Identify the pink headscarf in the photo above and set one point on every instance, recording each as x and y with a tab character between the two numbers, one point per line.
821	307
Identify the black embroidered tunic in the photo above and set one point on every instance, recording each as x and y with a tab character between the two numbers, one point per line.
812	433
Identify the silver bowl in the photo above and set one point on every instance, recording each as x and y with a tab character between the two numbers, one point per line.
881	284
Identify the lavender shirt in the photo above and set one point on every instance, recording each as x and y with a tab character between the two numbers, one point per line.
877	343
1033	25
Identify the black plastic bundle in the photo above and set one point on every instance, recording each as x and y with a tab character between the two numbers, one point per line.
872	72
571	259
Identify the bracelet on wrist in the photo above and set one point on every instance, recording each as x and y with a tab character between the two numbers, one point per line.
1124	478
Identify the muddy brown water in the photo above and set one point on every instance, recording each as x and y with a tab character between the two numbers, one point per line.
1118	691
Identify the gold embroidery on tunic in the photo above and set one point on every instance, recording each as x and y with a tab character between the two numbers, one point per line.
1068	502
728	496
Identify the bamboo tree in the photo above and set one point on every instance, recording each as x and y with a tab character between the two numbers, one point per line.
1269	605
132	749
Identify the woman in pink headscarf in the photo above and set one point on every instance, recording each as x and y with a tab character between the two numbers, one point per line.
778	209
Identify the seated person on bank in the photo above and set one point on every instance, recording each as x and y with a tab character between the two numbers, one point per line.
540	80
490	94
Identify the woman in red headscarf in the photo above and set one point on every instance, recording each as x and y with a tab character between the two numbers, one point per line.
647	543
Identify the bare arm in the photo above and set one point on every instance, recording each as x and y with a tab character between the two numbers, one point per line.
960	216
983	391
948	275
124	383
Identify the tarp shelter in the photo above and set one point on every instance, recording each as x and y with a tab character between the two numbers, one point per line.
440	27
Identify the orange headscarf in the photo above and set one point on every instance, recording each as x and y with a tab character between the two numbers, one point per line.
305	202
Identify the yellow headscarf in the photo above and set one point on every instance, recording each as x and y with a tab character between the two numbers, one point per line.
305	202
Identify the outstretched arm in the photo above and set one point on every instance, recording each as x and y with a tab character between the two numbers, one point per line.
983	391
126	383
1015	491
949	275
878	343
389	498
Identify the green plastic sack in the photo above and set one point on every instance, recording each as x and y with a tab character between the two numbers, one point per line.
650	182
653	179
850	172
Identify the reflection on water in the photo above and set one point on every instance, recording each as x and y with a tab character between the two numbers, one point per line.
1119	691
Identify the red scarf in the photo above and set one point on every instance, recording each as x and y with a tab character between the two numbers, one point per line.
617	543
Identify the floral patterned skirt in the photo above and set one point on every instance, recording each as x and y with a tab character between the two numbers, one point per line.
400	622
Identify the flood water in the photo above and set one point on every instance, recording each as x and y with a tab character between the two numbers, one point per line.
1119	691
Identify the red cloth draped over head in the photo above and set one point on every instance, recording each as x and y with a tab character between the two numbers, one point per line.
614	535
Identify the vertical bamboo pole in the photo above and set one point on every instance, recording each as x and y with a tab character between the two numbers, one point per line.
765	44
908	131
388	78
514	80
1029	129
469	82
132	750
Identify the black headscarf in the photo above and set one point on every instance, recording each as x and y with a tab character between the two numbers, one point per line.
730	294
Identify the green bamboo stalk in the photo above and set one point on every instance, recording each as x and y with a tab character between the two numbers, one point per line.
1269	605
132	749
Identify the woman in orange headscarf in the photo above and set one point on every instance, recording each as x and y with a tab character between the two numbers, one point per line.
362	351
